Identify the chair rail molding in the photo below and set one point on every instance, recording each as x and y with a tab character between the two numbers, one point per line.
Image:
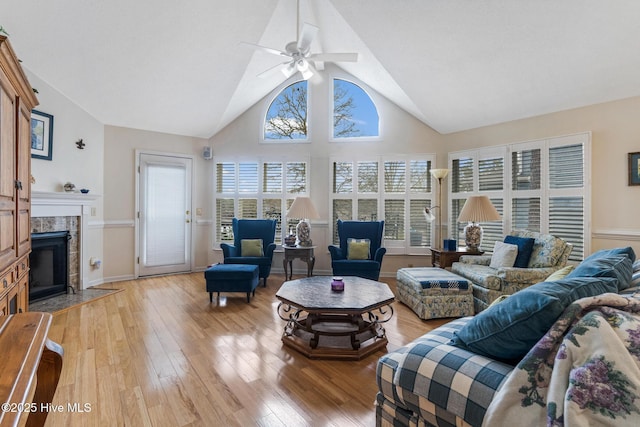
616	234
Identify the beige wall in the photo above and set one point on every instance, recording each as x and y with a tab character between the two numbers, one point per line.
119	194
615	128
84	168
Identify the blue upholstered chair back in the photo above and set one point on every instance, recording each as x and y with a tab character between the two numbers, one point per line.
371	230
264	229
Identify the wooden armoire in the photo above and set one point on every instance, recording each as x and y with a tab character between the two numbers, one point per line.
17	99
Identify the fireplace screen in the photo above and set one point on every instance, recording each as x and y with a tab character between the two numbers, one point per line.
49	260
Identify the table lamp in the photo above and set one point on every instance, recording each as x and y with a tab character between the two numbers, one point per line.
302	208
476	209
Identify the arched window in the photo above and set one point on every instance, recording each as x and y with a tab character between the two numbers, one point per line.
287	115
354	113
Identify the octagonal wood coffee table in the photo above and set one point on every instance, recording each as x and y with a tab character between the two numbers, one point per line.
323	324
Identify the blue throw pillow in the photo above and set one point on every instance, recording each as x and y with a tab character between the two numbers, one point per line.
507	331
619	267
603	253
525	248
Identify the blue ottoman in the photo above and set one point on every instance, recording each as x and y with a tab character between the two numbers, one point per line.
232	278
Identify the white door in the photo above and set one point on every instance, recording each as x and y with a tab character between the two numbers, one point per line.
164	214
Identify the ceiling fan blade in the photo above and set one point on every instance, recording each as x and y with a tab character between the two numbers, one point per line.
306	37
334	57
265	49
273	70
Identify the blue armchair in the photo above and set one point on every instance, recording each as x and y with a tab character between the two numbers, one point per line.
368	268
252	229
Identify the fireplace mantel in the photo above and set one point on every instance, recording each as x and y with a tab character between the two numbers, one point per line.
62	204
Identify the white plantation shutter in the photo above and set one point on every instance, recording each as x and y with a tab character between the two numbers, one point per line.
462	175
493	231
367	177
394	219
566	189
256	190
456	229
367	209
224	215
395	189
272	178
342	177
566	166
419	228
566	220
296	177
491	174
526	168
395	176
525	214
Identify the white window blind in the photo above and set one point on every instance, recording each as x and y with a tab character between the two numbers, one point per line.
542	188
256	189
395	190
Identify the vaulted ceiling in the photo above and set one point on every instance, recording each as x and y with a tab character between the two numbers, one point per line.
179	66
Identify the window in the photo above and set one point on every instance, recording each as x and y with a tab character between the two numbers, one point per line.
354	113
396	190
257	189
287	115
542	188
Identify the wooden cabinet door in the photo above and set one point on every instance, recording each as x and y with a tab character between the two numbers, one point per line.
23	226
8	205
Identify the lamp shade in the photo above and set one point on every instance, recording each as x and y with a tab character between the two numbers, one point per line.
439	173
478	209
302	207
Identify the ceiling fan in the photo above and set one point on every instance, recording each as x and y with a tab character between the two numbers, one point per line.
298	53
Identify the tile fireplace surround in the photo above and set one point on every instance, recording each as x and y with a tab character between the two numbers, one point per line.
52	211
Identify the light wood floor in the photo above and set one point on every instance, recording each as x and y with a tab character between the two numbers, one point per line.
159	354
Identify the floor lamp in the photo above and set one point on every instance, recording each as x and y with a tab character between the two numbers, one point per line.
438	174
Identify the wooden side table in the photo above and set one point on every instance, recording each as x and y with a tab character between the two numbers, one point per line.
443	259
305	253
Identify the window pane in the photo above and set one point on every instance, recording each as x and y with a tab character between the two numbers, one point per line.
420	175
367	177
367	209
526	166
272	178
226	177
566	220
224	217
462	175
287	114
566	168
525	214
395	176
491	174
272	209
248	178
291	222
342	177
354	113
247	208
342	209
394	219
419	228
296	177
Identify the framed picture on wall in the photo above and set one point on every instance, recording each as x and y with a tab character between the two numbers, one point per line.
634	168
41	135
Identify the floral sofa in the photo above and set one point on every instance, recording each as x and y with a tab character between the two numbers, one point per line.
558	352
546	255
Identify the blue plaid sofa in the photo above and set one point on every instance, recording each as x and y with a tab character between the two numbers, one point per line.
430	383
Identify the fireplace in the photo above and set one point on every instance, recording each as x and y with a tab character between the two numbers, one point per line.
49	264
